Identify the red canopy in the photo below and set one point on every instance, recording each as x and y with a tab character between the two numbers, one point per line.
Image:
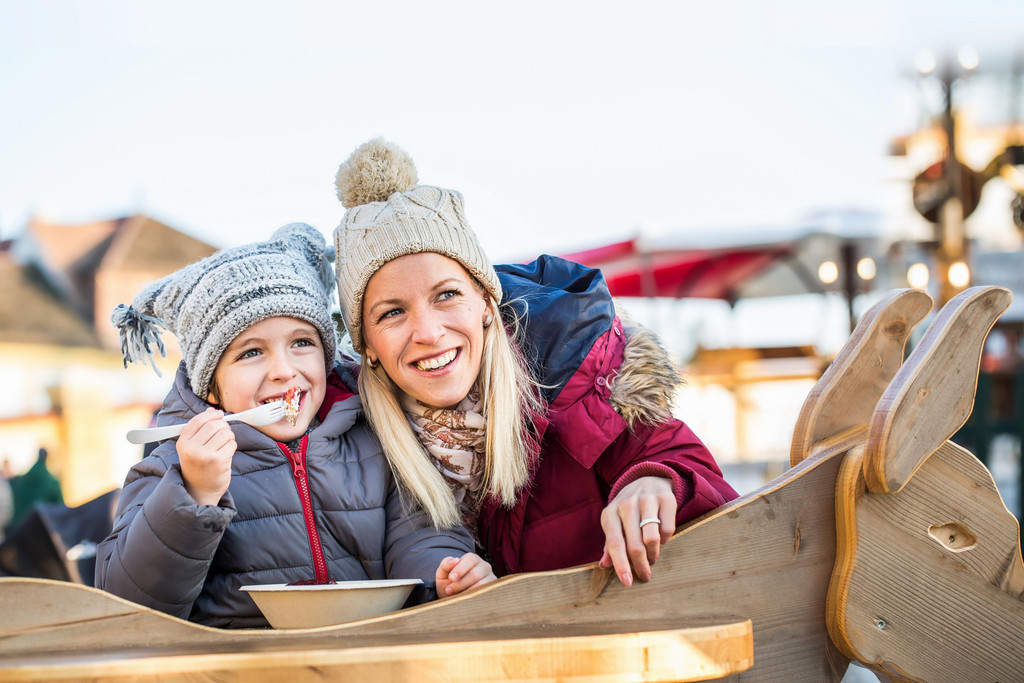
706	273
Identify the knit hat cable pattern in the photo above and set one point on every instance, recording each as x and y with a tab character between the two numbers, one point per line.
390	216
209	303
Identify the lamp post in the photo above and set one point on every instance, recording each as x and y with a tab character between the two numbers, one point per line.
947	192
857	273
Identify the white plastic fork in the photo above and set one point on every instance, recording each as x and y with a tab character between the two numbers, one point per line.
266	414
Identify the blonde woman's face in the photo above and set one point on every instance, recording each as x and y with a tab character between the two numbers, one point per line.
423	321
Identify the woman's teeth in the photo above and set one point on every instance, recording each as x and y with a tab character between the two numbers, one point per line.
438	361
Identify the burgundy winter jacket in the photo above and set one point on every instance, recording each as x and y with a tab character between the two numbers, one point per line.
594	372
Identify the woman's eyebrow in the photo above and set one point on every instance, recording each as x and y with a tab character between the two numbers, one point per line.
386	302
446	283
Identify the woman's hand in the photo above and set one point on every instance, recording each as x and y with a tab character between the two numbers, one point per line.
627	538
455	575
205	449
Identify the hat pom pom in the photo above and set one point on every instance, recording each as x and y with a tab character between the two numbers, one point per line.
139	333
375	171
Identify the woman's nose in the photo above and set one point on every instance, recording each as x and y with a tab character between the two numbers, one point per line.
427	328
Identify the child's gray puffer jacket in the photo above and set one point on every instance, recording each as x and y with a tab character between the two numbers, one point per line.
189	560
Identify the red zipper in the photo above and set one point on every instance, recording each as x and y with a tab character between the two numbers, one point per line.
298	461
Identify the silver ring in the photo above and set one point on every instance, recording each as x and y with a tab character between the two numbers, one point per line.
649	520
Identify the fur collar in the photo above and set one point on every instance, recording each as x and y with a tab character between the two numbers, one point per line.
646	384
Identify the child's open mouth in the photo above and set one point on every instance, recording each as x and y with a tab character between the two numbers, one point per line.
437	362
292	403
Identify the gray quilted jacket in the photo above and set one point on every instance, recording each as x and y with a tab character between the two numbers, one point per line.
189	560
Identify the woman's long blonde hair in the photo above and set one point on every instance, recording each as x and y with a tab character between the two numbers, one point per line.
509	395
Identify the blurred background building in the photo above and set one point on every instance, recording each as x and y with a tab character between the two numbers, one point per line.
65	386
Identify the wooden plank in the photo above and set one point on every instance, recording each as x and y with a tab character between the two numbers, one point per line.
847	392
597	653
766	557
929	583
932	394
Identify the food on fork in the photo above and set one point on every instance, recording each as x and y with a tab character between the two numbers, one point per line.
291	404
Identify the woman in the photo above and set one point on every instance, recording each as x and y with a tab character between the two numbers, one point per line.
513	398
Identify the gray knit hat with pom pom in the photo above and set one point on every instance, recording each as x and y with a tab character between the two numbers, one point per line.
209	303
389	216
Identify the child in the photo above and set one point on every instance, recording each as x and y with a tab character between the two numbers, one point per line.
308	498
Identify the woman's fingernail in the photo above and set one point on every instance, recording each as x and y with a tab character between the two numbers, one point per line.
627	578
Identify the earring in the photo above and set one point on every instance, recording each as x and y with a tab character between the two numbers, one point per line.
488	320
372	364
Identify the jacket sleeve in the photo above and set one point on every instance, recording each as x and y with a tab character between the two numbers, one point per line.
413	548
162	542
668	449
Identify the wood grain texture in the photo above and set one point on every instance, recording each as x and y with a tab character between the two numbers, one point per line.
932	394
766	557
847	392
598	653
849	489
916	605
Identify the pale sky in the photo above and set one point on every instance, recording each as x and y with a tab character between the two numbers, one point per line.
564	125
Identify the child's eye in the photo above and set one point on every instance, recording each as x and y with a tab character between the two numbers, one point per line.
250	353
305	342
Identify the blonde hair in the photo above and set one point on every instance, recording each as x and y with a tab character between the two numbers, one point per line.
509	396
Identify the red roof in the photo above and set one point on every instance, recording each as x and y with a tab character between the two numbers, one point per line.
633	271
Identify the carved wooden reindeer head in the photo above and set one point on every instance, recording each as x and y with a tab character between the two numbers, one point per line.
928	583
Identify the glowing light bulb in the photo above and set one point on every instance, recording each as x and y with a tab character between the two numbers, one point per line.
866	268
917	276
925	62
968	57
959	275
828	272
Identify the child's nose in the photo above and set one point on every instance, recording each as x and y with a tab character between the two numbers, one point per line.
281	367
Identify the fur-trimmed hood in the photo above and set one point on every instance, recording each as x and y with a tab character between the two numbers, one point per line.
563	310
645	388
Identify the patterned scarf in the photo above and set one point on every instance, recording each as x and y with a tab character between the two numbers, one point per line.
455	439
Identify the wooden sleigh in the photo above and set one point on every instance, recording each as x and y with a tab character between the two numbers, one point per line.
885	544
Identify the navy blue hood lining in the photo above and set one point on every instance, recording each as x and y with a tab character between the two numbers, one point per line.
565	307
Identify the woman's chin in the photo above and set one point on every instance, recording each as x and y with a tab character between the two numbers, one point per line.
441	399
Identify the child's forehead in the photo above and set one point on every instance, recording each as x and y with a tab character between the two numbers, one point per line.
273	328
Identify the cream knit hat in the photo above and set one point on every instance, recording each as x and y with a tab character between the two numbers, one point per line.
210	302
389	216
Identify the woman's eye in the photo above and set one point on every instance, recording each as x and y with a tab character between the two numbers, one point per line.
389	314
448	294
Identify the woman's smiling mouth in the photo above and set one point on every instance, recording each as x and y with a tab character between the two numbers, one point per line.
437	362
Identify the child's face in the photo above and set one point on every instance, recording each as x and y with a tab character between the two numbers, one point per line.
263	362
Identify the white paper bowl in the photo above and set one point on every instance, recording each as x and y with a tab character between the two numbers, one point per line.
309	606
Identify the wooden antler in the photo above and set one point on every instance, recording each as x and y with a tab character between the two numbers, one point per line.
931	396
847	392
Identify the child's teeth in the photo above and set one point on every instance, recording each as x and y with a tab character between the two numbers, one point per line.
439	362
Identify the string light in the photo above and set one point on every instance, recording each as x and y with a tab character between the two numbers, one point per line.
917	276
828	272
